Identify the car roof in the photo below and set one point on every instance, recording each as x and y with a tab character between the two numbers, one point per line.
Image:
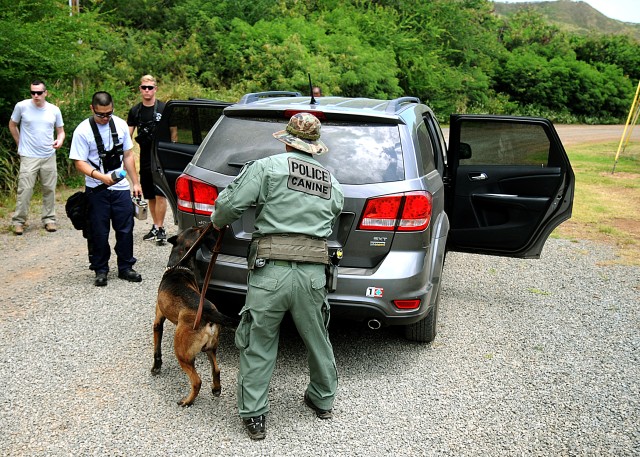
267	103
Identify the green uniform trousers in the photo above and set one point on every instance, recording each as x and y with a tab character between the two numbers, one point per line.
274	289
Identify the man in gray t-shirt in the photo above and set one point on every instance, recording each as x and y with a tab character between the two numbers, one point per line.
32	125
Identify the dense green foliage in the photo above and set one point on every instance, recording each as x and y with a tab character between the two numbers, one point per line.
456	56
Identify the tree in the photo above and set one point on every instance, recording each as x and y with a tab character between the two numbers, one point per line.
38	39
620	50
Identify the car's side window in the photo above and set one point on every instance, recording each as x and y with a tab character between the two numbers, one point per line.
194	122
181	118
439	144
505	143
426	149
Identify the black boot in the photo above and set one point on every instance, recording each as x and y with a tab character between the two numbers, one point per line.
256	427
101	279
320	413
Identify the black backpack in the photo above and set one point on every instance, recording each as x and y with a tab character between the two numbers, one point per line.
76	208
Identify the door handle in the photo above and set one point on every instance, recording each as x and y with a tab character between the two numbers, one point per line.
478	176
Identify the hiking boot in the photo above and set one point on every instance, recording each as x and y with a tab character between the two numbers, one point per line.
151	236
256	427
161	236
18	229
130	275
101	279
50	227
321	413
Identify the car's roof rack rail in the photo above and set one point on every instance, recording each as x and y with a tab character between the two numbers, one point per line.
255	96
201	99
395	104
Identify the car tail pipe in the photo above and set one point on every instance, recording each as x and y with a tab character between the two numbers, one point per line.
374	324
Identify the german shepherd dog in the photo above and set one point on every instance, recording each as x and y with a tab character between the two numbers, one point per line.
178	299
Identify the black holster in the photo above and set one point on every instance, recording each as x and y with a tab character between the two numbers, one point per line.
331	271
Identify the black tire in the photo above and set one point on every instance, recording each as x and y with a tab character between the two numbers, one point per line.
425	330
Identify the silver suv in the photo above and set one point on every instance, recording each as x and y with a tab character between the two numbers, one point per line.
500	187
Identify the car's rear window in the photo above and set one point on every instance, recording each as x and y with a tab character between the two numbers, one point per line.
358	153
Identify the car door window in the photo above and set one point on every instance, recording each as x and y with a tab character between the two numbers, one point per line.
194	122
504	143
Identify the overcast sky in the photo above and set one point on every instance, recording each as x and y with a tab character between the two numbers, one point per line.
622	10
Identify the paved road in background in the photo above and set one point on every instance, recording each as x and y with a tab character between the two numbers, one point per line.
576	134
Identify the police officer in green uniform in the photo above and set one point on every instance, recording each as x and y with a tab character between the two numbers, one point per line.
297	202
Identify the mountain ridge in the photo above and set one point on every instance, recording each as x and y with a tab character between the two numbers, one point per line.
573	16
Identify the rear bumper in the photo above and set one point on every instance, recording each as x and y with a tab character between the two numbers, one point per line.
361	294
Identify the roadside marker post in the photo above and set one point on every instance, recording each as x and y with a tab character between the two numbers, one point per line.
632	119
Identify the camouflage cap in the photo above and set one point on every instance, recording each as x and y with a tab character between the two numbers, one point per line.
303	133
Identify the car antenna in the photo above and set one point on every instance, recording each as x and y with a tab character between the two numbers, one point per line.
313	99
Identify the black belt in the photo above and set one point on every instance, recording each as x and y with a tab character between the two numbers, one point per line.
285	263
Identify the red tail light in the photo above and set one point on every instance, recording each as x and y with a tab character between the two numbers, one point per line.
406	212
407	304
195	196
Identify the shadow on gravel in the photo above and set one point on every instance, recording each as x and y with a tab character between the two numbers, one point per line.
358	350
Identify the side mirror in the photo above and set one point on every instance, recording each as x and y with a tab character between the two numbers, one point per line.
464	151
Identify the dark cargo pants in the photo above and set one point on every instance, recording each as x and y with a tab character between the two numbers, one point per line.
110	207
274	289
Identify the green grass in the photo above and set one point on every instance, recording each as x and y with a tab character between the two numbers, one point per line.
606	205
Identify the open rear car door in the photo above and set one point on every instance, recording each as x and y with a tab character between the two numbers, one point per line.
189	122
509	183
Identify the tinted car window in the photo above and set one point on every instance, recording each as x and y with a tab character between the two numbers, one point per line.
439	145
426	149
358	153
193	122
505	143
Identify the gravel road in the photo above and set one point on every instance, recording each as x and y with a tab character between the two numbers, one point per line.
532	358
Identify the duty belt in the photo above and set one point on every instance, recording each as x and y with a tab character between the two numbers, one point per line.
291	247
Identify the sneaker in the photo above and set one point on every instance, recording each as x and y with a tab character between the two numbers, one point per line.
151	236
50	227
321	413
256	427
18	229
161	236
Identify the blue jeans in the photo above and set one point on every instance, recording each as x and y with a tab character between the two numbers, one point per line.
110	207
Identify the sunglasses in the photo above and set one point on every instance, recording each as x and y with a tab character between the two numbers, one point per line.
103	115
37	92
147	87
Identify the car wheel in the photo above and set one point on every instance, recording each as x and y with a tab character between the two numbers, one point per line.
424	331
